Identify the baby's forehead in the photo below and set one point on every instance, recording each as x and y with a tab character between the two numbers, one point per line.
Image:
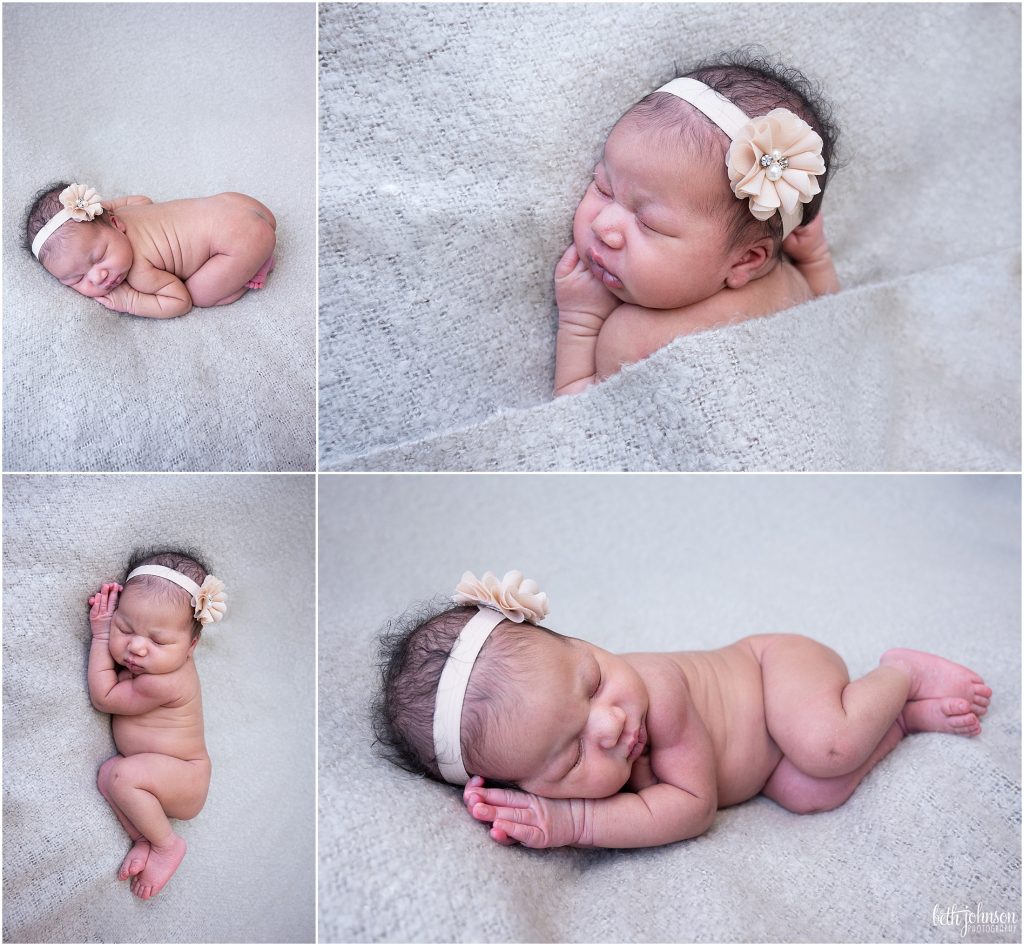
71	243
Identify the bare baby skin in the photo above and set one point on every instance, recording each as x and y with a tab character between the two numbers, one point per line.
646	747
158	260
142	672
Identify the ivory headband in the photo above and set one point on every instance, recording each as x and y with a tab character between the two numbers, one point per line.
451	693
512	598
774	159
208	599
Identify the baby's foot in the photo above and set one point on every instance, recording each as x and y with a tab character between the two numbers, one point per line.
135	860
947	714
260	278
162	863
932	677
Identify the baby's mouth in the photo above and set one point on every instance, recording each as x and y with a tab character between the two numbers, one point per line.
597	268
639	741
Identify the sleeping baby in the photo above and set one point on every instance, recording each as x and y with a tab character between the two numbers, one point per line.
701	189
153	260
594	749
142	672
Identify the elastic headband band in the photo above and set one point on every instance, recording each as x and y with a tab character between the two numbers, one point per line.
451	693
725	114
765	181
58	219
182	581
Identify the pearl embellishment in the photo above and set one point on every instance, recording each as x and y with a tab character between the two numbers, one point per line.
774	164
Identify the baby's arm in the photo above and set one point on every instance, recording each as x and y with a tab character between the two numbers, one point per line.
116	203
150	292
109	691
809	250
583	305
681	805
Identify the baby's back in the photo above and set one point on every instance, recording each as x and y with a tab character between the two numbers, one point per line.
175	728
631	332
179	236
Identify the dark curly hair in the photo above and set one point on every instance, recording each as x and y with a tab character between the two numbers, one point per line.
411	653
756	84
186	561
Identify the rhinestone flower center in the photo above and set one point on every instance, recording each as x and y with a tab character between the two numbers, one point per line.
774	164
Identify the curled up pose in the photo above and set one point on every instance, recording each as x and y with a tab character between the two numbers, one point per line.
142	672
704	210
588	748
154	260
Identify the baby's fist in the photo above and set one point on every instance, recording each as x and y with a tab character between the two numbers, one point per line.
578	291
119	299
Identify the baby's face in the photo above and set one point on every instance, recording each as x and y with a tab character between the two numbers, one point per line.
582	724
92	259
151	633
651	225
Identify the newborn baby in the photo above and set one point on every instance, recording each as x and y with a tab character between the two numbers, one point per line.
153	260
701	187
149	627
633	750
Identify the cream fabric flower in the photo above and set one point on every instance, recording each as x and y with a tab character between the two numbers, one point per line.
82	202
775	161
211	602
518	598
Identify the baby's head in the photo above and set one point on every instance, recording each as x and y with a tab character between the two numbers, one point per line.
661	224
83	247
168	597
550	714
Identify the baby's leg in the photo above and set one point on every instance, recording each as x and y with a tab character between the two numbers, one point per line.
828	727
224	277
149	788
803	794
824	724
136	858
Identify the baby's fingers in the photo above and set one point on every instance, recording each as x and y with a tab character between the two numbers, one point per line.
502	838
526	834
569	261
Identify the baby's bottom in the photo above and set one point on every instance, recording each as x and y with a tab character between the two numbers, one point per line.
833	732
144	791
226	276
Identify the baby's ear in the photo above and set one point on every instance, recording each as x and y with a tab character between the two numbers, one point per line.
752	263
115	221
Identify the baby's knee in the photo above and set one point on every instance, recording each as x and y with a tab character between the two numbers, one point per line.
826	754
105	776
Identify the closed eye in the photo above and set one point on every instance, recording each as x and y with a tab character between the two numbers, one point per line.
579	758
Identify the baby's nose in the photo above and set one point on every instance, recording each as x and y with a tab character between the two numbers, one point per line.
610	235
611	729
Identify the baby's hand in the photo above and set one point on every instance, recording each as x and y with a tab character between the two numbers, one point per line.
807	244
578	291
104	604
119	299
531	820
